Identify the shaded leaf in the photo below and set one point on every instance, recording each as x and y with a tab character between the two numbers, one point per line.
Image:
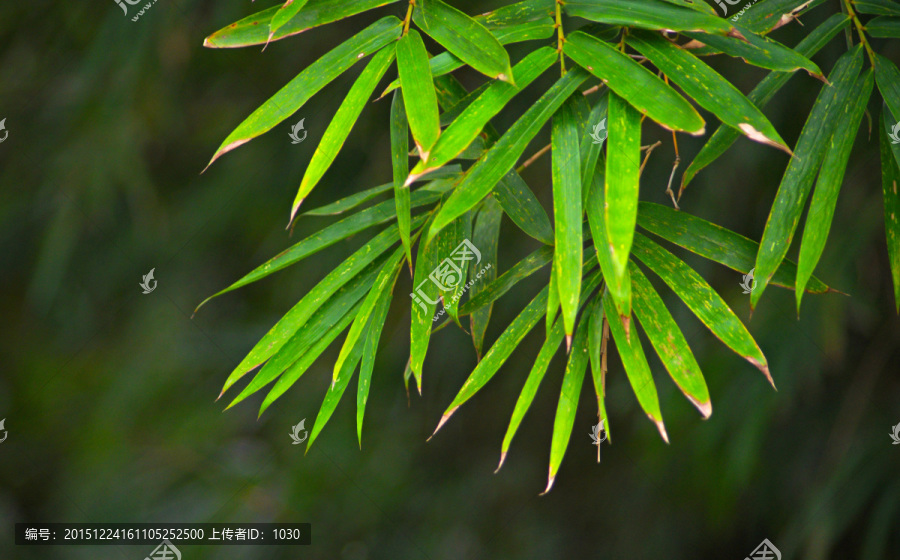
877	7
648	14
884	26
373	335
523	208
888	77
618	286
400	165
485	236
518	272
772	14
623	156
890	176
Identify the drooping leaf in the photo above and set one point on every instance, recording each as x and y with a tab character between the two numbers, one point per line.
464	37
824	198
285	13
373	335
647	14
523	208
254	29
313	78
801	170
485	236
518	272
425	297
715	243
707	87
418	91
669	342
702	300
481	178
724	136
552	297
567	212
890	176
341	124
592	140
639	86
619	286
597	342
400	166
888	77
623	157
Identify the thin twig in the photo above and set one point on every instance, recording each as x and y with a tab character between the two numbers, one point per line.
672	175
532	159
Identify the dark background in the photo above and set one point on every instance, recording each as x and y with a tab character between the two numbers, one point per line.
109	394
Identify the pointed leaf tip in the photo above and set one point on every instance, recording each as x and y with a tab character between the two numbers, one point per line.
444	419
550	480
662	429
502	459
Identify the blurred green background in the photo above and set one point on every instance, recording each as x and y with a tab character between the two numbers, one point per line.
109	394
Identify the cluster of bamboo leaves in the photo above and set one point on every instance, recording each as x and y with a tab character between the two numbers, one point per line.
625	62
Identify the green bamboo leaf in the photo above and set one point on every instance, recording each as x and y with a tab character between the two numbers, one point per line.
623	156
715	243
696	5
539	369
373	335
313	78
772	14
573	380
254	29
567	212
553	299
669	342
639	86
618	286
801	170
884	26
877	7
824	198
636	367
518	272
517	13
425	297
340	126
386	277
418	91
647	14
464	37
370	217
400	165
284	14
890	176
724	136
592	143
702	300
596	344
708	88
888	77
468	125
305	337
456	255
759	51
523	207
303	310
481	178
485	236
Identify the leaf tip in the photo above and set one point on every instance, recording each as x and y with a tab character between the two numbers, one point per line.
662	429
444	419
550	479
502	459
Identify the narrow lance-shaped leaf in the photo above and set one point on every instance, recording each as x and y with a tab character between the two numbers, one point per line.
890	176
647	14
702	300
464	37
801	170
573	380
523	207
368	358
824	198
623	156
707	87
425	297
888	77
484	175
485	236
592	143
619	286
400	165
884	26
877	7
772	14
316	76
636	367
598	336
284	14
418	91
342	123
669	342
518	272
639	86
553	298
456	254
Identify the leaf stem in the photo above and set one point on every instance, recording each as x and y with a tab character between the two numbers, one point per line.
560	37
406	20
860	30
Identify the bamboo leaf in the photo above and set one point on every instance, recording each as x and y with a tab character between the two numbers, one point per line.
341	125
418	91
592	144
884	26
425	297
708	88
801	170
888	77
824	198
639	86
669	342
890	176
567	212
647	14
553	298
373	335
772	14
400	166
618	286
636	367
596	345
485	236
481	178
702	300
518	272
715	243
573	380
313	78
464	37
523	208
254	29
623	156
877	7
284	14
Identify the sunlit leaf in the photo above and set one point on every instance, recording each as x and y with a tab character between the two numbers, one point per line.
400	166
418	91
623	156
648	14
373	335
